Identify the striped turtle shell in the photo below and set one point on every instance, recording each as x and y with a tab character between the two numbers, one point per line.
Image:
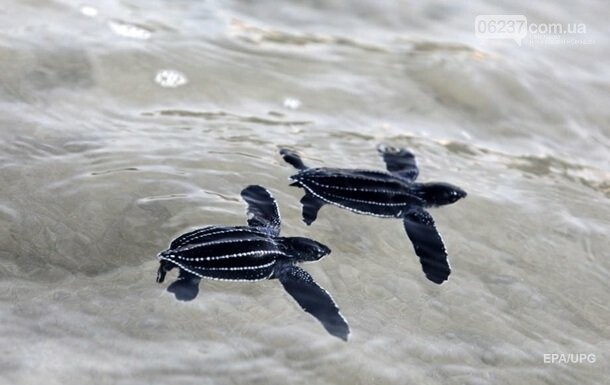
225	253
361	191
252	253
392	194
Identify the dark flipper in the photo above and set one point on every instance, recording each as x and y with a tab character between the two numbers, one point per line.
164	267
293	158
161	274
428	244
400	162
311	206
262	208
313	299
186	287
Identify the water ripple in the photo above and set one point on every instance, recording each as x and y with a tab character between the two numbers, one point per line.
228	116
129	30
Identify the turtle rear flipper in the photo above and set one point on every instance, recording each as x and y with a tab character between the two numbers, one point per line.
428	244
186	287
311	206
293	158
313	299
262	209
400	162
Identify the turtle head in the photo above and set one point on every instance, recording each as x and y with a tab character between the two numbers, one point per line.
164	267
304	249
439	193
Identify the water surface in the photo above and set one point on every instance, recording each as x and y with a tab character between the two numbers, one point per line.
125	123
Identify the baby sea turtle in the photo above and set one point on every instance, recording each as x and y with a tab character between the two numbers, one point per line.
389	195
252	253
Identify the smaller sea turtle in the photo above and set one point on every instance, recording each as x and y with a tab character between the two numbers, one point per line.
252	253
393	194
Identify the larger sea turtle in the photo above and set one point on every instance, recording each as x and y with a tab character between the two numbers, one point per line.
252	253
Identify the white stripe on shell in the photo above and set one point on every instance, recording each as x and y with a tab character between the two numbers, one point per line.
232	230
226	242
347	188
329	174
193	234
369	202
215	278
343	206
168	258
229	256
277	211
302	180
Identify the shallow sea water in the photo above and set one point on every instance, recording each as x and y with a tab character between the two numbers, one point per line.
125	123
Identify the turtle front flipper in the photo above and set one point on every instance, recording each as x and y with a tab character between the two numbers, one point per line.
293	159
313	299
428	244
311	206
186	287
400	162
262	209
